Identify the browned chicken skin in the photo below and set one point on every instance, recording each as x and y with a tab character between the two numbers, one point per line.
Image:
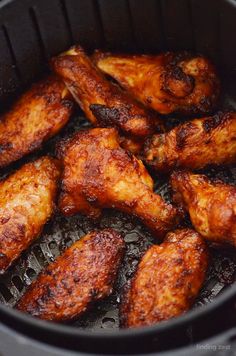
194	144
36	116
98	174
104	103
167	83
167	280
27	202
211	205
84	273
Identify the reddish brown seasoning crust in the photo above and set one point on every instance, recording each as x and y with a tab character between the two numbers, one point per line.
104	103
211	205
99	174
194	144
167	280
36	116
27	202
169	82
84	273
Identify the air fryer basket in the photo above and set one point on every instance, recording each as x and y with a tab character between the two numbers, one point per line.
31	31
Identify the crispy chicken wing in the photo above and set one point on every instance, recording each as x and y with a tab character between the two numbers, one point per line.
104	103
84	273
167	280
211	205
167	83
194	144
37	115
26	203
98	174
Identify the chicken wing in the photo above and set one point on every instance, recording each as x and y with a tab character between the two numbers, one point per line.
38	115
26	203
98	174
104	103
167	280
211	205
194	144
84	273
167	83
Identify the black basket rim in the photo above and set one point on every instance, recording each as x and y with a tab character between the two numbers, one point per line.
183	320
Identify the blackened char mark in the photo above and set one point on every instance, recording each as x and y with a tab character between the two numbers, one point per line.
214	121
182	134
177	83
109	116
5	146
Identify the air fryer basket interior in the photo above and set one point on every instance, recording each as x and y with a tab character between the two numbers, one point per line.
47	28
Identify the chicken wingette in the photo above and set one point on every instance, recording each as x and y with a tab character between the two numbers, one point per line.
210	204
98	174
35	117
167	280
169	82
26	203
83	274
194	144
104	103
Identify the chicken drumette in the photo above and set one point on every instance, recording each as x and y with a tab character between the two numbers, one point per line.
211	205
167	280
84	273
27	202
36	116
194	144
169	82
104	103
98	174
